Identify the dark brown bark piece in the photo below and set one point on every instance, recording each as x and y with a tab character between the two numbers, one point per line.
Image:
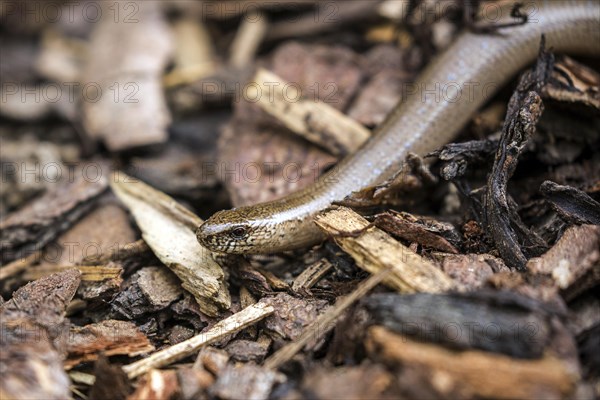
367	381
409	186
292	315
245	381
426	232
126	61
44	300
576	254
111	382
252	279
33	334
571	202
500	322
471	374
458	158
103	231
512	238
149	290
329	74
32	227
379	97
472	270
108	337
247	350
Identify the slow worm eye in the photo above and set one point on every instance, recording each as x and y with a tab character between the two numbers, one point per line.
238	233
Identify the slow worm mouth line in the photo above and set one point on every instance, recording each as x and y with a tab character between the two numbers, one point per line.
481	63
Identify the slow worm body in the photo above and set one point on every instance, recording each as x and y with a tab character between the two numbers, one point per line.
446	95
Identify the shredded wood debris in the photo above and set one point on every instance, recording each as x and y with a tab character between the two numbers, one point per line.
445	289
325	322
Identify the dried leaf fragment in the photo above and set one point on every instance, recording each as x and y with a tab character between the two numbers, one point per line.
167	227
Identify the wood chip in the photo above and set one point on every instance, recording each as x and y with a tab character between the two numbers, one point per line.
311	275
571	257
223	328
486	320
36	224
157	385
365	381
246	381
373	250
474	373
313	120
159	286
108	337
103	231
248	38
33	333
194	52
89	273
292	315
168	228
471	270
125	105
322	325
424	231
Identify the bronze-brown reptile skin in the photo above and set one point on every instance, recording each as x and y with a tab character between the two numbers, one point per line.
439	104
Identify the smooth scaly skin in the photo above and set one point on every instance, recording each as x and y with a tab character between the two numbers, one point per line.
478	64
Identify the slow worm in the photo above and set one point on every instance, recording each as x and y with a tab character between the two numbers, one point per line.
447	94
